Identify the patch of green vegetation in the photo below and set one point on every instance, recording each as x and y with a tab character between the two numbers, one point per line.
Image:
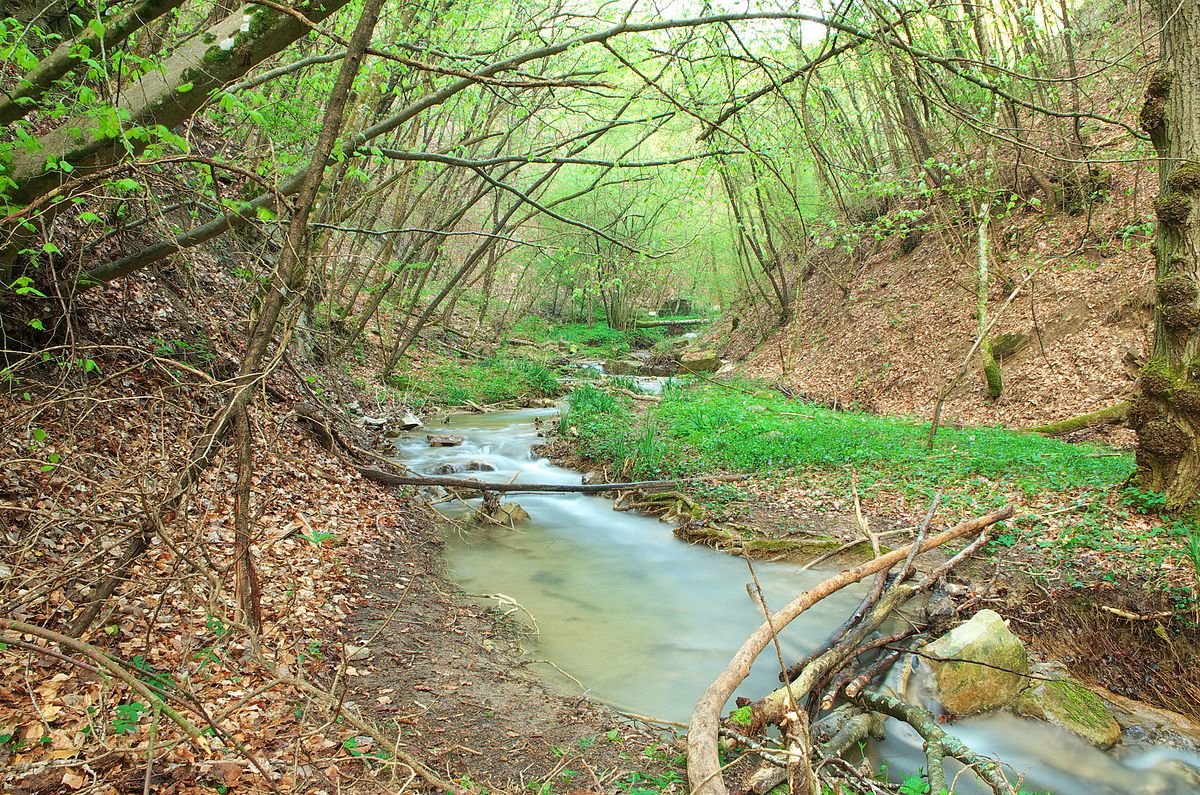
587	340
493	380
702	429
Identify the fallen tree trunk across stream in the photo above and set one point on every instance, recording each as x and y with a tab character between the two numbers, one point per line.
390	479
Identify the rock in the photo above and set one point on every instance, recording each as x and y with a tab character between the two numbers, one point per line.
407	422
357	652
509	513
480	466
699	361
939	611
374	422
444	469
963	686
1069	705
623	367
444	440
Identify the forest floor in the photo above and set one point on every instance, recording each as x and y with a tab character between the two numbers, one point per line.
372	671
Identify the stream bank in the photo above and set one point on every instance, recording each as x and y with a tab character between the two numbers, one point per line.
481	558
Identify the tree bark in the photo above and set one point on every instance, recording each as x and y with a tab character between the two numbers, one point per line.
1166	413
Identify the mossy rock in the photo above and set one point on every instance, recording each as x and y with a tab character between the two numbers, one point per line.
1005	346
1072	706
699	361
979	665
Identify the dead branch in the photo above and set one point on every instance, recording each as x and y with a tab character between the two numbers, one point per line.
704	770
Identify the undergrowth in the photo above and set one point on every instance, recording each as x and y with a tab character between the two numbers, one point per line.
588	340
493	380
704	428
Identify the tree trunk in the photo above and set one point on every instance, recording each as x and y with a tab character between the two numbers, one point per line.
1166	414
991	370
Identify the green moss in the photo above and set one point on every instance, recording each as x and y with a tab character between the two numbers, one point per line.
1157	378
1074	707
1185	178
214	55
260	22
1173	208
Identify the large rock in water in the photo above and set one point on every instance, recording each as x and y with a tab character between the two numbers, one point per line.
1071	706
964	685
699	361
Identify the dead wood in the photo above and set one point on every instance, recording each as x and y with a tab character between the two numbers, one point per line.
938	744
704	769
557	488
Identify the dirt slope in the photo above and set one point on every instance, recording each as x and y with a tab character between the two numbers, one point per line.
900	333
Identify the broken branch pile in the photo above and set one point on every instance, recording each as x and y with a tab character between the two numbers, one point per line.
858	653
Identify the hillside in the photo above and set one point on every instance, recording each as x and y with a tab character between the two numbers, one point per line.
1083	321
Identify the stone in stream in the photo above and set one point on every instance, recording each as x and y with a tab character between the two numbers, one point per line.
508	513
624	367
444	440
444	469
407	422
699	361
1070	705
964	685
480	466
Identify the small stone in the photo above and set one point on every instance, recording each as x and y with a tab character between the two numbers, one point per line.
444	469
480	466
509	513
965	686
374	422
357	652
407	422
444	440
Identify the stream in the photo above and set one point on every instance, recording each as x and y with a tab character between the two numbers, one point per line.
643	621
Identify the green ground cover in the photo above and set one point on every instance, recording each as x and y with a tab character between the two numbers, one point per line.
704	428
587	340
493	380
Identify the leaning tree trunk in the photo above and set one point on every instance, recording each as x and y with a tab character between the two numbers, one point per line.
1166	414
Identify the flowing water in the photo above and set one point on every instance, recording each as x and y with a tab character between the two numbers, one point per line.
644	621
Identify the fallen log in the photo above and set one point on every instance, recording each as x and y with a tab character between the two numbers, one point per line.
693	321
1112	414
390	479
704	767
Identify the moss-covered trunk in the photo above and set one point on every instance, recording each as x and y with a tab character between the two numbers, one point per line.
1166	414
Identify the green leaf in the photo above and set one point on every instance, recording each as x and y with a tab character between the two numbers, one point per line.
186	87
36	323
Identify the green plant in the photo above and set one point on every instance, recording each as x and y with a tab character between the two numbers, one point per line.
128	716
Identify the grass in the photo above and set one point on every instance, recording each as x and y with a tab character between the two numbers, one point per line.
494	380
704	428
588	340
